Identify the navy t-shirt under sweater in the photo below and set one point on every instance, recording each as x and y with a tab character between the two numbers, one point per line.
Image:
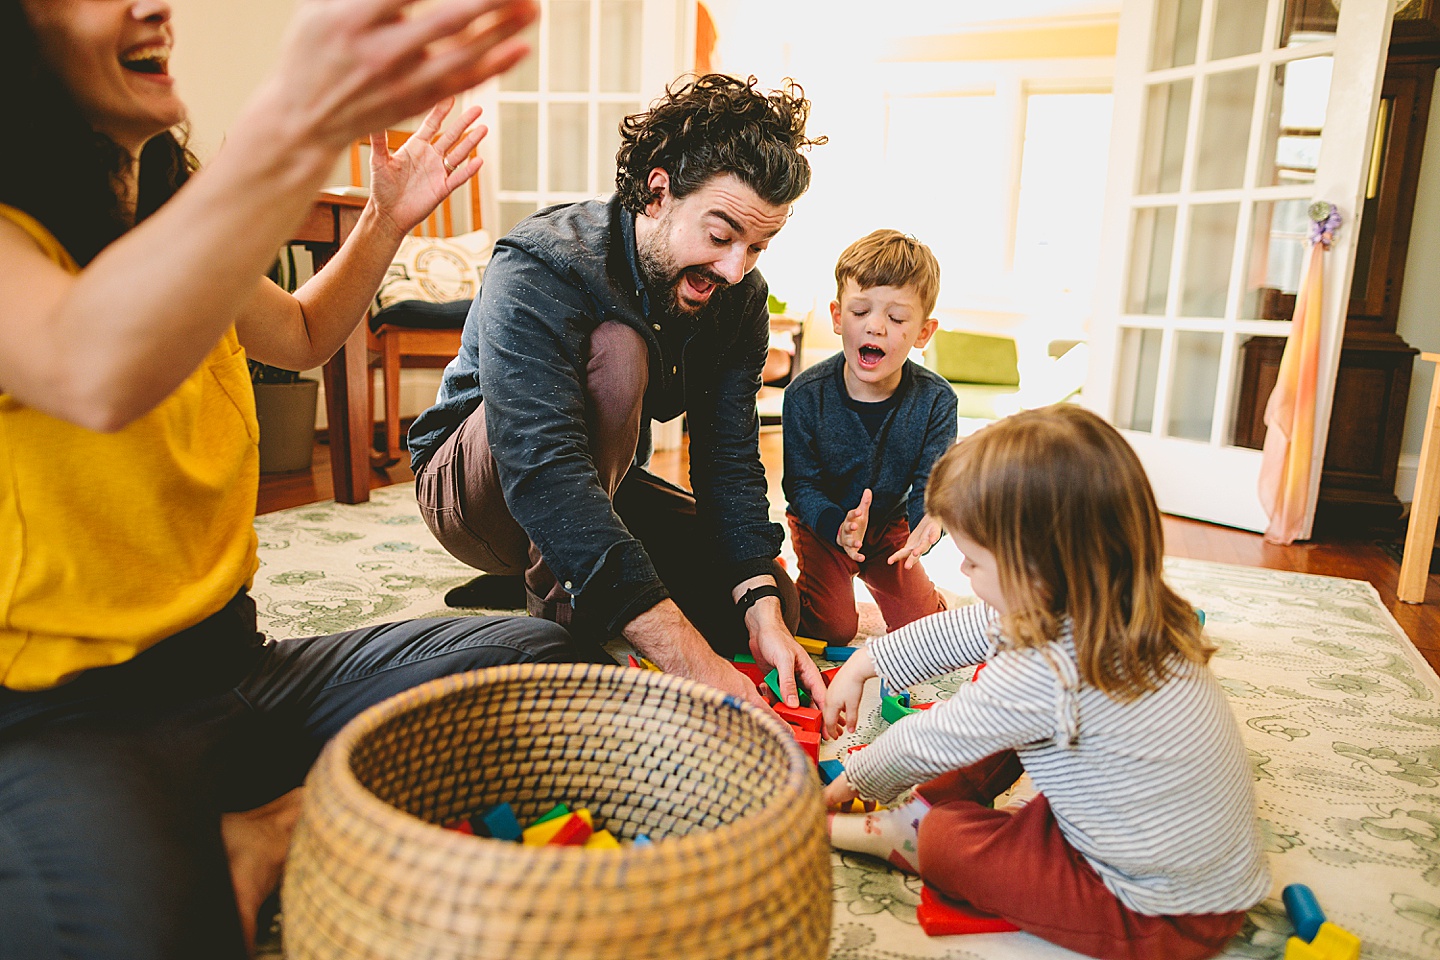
836	447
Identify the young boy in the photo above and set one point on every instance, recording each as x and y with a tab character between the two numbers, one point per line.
862	430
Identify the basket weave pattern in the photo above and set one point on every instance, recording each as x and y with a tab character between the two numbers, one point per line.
740	867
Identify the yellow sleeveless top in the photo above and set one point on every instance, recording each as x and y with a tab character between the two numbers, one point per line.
111	542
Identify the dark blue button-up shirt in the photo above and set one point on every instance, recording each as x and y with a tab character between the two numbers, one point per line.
552	280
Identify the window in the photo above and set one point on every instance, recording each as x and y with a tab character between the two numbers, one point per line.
555	118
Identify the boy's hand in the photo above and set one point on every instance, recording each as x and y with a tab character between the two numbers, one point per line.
925	535
851	535
839	791
842	700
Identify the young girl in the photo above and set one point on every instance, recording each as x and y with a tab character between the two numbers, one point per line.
1142	842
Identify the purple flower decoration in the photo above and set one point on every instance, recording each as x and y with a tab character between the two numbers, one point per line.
1324	221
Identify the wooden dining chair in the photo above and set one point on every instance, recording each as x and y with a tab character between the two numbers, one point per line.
412	333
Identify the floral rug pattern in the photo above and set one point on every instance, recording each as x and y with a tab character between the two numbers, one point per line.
1339	712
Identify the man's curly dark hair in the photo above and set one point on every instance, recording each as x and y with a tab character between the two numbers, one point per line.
716	124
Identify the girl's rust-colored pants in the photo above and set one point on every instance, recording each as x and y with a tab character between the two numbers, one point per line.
1019	866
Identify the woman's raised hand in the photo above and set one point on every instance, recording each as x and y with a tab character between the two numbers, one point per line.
349	67
409	183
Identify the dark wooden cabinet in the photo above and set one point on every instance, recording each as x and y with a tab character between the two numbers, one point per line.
1372	386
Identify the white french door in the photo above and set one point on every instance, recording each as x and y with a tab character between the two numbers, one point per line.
1231	117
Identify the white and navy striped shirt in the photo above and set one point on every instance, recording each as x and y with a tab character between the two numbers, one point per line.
1155	793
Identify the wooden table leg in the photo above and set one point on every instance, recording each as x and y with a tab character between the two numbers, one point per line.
1425	508
347	415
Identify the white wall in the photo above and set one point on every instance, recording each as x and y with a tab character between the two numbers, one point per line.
1419	321
222	51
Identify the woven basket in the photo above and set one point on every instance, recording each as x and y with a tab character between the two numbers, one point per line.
740	866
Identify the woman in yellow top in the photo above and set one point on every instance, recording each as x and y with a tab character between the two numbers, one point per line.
139	708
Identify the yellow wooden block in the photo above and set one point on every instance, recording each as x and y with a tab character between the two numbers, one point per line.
1330	943
602	840
541	833
1336	943
648	665
815	647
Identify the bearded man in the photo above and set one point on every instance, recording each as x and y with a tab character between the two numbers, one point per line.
593	319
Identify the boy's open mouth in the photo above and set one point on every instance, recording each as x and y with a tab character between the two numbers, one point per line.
151	60
869	356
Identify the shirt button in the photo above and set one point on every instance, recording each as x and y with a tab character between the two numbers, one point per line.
655	325
674	370
567	584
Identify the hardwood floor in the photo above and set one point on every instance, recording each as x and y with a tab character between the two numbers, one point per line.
1354	557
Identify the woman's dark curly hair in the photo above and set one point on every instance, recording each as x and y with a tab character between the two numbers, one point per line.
64	173
716	124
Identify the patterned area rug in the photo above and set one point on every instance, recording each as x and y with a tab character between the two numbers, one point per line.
1339	712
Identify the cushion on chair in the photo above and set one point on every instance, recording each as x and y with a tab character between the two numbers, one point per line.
963	357
422	315
437	269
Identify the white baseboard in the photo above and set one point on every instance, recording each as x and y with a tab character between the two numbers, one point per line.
1405	478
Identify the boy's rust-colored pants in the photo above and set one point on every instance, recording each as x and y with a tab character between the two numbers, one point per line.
827	591
1019	866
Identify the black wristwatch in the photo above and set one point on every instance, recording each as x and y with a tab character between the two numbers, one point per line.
748	598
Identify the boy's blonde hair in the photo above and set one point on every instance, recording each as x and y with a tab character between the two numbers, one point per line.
1061	500
889	258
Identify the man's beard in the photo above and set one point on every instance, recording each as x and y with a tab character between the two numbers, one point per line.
663	278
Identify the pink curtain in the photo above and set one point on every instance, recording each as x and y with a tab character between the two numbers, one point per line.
1290	413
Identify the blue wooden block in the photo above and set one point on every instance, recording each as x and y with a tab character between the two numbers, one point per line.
839	654
500	822
830	769
1305	913
642	841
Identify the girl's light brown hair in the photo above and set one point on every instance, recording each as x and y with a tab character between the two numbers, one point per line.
1061	500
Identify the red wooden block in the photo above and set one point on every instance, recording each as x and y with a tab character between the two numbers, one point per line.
573	834
754	671
941	917
923	706
806	718
460	826
829	675
858	746
809	741
633	662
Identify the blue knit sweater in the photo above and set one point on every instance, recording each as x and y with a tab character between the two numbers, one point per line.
830	458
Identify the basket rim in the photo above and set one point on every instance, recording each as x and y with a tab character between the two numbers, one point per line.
333	763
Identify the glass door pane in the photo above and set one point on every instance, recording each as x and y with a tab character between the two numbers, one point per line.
1152	240
1163	154
1192	385
1229	100
1209	250
1239	28
569	50
1139	370
1278	243
1299	93
1177	33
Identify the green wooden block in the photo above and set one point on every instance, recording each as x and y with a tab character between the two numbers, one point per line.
744	658
891	709
559	810
772	680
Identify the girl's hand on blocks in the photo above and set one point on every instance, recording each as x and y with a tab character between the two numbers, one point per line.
842	701
851	535
925	535
839	791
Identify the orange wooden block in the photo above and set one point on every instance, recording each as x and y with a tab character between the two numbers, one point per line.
806	718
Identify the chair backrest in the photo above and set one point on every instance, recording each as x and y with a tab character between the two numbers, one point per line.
440	223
